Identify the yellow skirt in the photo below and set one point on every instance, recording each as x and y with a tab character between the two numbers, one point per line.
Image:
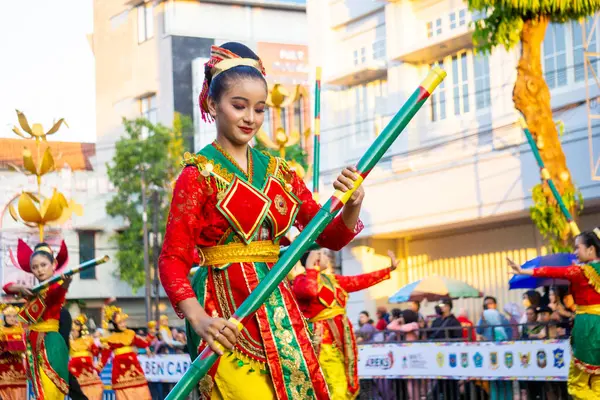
334	369
235	383
51	391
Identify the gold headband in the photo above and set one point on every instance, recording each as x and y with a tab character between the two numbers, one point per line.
229	63
44	248
597	232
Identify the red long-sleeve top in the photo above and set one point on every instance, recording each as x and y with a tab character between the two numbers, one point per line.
583	293
306	288
195	221
54	297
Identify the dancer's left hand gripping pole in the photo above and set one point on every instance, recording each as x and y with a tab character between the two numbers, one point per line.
201	365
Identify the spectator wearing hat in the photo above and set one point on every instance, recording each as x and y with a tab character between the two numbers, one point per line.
446	326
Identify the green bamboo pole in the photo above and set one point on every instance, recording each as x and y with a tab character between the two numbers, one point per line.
81	267
201	365
317	136
546	176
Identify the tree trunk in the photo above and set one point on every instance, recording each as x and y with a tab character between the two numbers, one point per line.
532	98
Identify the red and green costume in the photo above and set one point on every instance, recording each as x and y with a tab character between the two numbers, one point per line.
233	221
322	298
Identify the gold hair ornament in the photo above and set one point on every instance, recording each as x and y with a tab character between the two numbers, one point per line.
229	63
597	233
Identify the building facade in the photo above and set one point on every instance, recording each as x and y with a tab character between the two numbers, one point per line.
149	62
452	195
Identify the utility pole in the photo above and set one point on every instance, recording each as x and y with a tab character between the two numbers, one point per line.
148	288
156	250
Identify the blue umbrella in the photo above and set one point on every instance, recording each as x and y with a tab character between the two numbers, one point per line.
552	260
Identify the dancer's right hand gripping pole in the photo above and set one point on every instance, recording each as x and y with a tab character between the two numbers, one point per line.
201	365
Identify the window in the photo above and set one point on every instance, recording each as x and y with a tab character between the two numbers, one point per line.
460	81
145	22
465	69
148	108
481	71
363	55
555	56
379	50
462	17
87	251
438	98
438	26
355	57
430	29
452	20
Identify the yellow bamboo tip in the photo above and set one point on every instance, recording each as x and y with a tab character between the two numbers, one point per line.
345	196
317	126
545	174
522	123
319	73
237	323
105	259
435	76
574	228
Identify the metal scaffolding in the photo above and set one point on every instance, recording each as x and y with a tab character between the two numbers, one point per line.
591	63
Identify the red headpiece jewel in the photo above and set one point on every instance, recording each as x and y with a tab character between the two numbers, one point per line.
24	253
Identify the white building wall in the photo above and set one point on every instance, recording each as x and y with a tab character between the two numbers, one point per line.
463	169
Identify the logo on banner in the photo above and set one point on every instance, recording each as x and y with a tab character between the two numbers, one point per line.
404	362
559	358
452	360
542	360
478	360
494	360
440	359
385	361
525	358
508	359
464	360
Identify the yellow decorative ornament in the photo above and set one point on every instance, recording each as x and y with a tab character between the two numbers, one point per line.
8	309
115	314
37	210
35	131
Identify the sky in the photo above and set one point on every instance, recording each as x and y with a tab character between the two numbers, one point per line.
47	67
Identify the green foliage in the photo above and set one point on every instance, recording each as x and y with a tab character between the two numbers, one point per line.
159	155
550	221
504	21
292	153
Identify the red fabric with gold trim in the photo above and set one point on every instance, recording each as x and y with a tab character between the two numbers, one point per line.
283	209
33	310
245	208
327	296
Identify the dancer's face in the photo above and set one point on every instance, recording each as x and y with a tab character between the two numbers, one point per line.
41	267
584	253
10	320
240	112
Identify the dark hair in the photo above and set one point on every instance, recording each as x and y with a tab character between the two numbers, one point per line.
304	259
366	313
545	309
490	298
534	297
447	302
410	316
396	312
42	252
220	84
115	328
589	239
535	311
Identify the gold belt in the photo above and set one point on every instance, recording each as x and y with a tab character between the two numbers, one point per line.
123	350
262	251
81	354
593	309
328	313
45	326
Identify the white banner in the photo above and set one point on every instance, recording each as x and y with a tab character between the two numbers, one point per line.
523	360
165	368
